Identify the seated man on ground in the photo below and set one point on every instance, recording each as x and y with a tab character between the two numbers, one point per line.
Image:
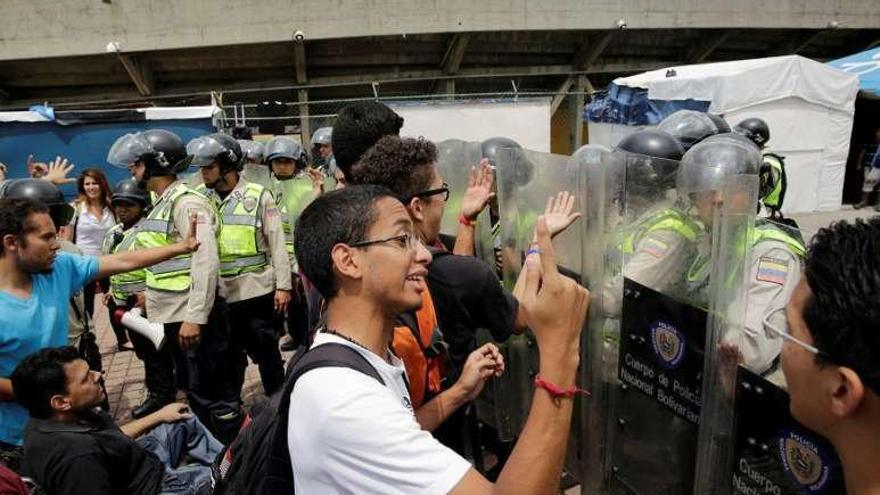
349	433
71	447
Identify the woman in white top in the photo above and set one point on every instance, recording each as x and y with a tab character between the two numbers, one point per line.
92	220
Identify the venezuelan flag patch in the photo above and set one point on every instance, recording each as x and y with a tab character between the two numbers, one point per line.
654	247
773	270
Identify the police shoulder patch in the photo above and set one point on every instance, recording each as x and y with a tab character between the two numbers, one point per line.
654	247
773	270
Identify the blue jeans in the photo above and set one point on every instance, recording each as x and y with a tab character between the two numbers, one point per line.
170	442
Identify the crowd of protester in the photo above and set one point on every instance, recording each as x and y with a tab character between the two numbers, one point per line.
222	264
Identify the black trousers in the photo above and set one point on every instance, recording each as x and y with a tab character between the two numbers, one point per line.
254	334
298	312
158	364
209	374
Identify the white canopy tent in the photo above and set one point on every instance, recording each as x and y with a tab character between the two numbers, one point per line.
808	106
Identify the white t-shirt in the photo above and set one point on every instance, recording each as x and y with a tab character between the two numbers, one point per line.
349	434
90	230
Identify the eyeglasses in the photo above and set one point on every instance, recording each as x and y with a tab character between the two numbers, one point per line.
789	337
403	241
430	192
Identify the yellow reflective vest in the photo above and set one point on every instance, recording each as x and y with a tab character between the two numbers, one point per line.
241	225
124	285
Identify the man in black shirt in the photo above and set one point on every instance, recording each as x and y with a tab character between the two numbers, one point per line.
69	447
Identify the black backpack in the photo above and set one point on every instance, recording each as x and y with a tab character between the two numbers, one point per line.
257	461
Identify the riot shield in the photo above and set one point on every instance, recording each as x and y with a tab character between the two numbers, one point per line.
455	159
749	442
525	181
662	258
256	173
293	195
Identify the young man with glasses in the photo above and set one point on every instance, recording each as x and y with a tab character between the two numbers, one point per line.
831	356
349	433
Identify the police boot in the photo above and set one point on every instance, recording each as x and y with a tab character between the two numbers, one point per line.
866	200
151	405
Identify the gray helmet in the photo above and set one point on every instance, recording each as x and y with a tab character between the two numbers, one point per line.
590	153
707	165
285	147
492	150
253	150
690	127
217	147
43	192
322	136
130	190
162	152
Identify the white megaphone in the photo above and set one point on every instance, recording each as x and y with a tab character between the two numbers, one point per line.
133	320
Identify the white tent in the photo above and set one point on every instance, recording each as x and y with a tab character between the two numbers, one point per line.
808	106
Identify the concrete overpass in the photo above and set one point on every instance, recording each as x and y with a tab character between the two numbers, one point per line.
178	51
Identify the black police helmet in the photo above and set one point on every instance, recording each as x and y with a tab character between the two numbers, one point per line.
524	169
169	153
43	192
755	129
129	190
656	144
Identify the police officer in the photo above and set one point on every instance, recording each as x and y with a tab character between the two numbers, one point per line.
773	252
295	184
321	148
690	126
254	266
656	237
182	293
254	151
772	175
128	290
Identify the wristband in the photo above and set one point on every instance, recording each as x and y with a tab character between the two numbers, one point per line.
464	221
557	392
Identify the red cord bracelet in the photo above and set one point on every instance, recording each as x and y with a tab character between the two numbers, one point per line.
464	221
557	391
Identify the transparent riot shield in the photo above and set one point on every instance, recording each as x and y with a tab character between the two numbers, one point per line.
256	173
293	196
525	181
749	442
455	159
663	256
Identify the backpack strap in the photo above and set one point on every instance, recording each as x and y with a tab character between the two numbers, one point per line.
279	472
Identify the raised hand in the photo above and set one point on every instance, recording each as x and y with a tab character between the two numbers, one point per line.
558	213
479	190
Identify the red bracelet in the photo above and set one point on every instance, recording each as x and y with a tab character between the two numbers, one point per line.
557	391
464	221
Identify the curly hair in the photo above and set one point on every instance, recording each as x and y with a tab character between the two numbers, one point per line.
403	165
843	313
358	127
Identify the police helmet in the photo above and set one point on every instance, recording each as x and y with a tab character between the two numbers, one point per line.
284	147
590	153
755	129
492	150
43	192
162	152
690	127
650	159
129	190
217	147
253	150
707	165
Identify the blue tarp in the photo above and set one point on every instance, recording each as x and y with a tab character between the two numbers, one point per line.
84	145
631	106
866	66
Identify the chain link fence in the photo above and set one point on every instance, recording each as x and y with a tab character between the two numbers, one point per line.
300	119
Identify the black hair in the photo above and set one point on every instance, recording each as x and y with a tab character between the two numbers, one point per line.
843	313
40	376
358	127
403	165
337	217
14	214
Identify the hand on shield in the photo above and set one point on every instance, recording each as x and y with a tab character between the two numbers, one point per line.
479	190
559	214
556	307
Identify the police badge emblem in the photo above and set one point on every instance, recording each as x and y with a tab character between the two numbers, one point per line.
249	203
804	461
668	344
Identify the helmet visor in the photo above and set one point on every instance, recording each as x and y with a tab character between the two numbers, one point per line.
204	150
128	149
706	166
